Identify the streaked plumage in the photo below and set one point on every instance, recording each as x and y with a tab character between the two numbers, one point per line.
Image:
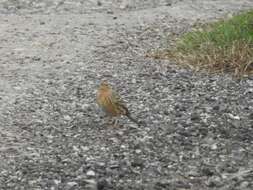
111	103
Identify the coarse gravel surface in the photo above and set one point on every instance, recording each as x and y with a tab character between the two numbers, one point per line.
197	130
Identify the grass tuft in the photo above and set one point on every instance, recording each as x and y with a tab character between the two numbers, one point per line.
224	46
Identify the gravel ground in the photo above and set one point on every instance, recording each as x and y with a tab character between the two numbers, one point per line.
198	128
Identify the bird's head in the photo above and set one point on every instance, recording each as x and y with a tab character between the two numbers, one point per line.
104	85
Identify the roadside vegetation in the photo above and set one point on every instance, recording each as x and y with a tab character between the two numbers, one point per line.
223	46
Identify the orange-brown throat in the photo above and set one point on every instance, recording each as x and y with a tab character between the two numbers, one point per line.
104	86
104	91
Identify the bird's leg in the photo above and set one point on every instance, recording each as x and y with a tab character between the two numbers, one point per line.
107	119
110	120
116	121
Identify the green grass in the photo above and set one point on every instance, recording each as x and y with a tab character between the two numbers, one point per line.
224	46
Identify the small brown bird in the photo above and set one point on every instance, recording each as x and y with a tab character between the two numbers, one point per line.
111	103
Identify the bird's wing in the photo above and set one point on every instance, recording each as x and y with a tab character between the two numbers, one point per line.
119	103
116	98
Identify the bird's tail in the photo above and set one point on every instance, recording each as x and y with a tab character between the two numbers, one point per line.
132	119
127	113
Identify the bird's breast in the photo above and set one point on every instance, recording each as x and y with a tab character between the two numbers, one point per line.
107	104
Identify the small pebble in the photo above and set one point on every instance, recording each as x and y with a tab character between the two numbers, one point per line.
90	173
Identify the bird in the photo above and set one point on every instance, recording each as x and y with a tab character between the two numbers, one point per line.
111	103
